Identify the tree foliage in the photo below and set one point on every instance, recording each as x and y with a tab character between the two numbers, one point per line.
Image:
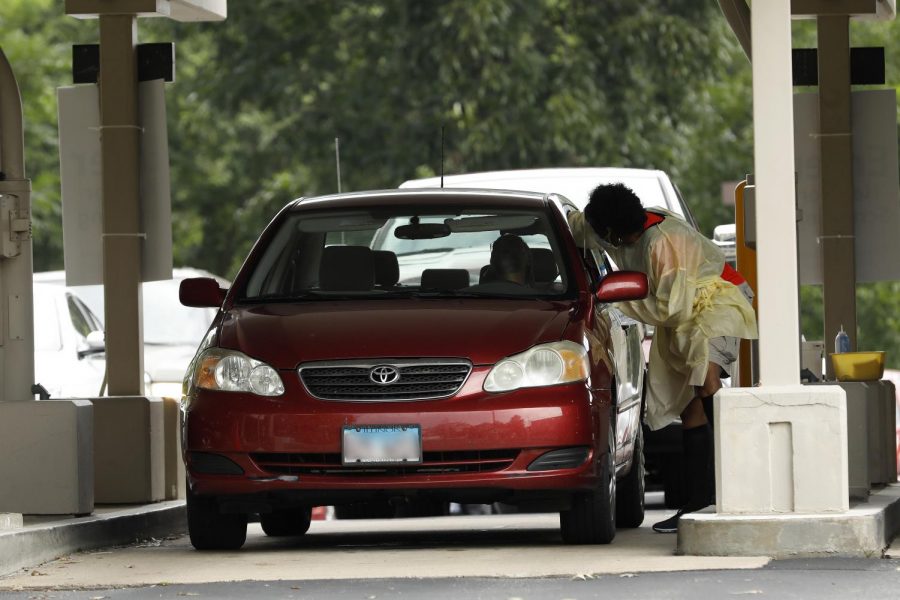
37	39
260	98
514	84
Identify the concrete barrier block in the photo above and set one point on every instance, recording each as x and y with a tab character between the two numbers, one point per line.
781	450
174	463
11	521
46	457
129	449
889	427
859	409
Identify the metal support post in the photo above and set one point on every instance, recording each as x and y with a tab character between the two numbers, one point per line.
776	215
16	310
836	151
122	242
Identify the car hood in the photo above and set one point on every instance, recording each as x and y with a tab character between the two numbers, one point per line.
482	331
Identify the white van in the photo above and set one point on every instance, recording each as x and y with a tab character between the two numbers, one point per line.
652	186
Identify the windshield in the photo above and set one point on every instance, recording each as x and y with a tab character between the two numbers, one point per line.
408	252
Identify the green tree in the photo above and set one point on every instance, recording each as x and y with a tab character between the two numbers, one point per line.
515	84
260	98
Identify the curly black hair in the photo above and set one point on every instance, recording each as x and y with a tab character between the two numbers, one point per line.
510	255
614	207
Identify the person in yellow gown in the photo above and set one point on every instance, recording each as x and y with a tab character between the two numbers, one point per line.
699	305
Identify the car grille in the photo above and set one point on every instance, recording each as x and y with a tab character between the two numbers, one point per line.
473	461
420	379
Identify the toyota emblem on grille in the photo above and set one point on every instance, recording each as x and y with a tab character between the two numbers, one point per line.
384	375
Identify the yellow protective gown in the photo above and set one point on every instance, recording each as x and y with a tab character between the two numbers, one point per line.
688	303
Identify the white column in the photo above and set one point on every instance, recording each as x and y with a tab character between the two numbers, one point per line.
773	126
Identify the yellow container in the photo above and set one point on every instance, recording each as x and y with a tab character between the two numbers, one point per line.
858	366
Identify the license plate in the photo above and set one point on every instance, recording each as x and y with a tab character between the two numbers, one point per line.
366	445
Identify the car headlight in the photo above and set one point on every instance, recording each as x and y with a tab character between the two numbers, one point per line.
547	364
232	371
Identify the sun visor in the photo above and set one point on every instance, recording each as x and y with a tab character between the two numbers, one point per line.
342	222
490	223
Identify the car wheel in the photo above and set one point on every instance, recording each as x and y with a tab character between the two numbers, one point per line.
211	530
630	489
282	523
591	519
375	509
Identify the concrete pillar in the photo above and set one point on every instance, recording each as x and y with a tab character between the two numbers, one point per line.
781	450
129	450
889	428
776	218
46	457
174	465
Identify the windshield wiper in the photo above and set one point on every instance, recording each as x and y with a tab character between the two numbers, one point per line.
307	295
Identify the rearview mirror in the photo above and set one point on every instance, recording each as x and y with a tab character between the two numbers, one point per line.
422	231
619	286
201	292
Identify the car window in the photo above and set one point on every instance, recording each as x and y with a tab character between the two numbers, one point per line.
82	319
407	251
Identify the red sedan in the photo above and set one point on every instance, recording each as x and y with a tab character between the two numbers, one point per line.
325	379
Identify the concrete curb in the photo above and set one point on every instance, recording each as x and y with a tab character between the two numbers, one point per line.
866	530
36	544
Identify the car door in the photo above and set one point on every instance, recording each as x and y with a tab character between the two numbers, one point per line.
627	358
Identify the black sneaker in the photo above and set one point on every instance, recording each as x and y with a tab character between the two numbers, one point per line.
669	525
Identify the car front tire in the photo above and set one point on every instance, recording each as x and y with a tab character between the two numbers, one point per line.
209	529
591	519
284	523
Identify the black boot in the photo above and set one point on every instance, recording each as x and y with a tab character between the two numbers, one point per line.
697	458
697	453
708	410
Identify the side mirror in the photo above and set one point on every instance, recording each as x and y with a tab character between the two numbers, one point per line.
96	341
622	285
201	292
96	344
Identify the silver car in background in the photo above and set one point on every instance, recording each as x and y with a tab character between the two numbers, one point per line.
172	331
69	353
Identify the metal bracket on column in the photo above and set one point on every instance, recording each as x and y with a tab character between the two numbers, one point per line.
15	226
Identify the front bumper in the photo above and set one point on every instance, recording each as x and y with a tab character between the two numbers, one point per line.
476	445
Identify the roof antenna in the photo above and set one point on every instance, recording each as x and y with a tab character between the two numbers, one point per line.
442	157
337	161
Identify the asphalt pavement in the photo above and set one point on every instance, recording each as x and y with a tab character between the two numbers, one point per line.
503	557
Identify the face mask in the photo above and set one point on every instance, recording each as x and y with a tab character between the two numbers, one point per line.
612	240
